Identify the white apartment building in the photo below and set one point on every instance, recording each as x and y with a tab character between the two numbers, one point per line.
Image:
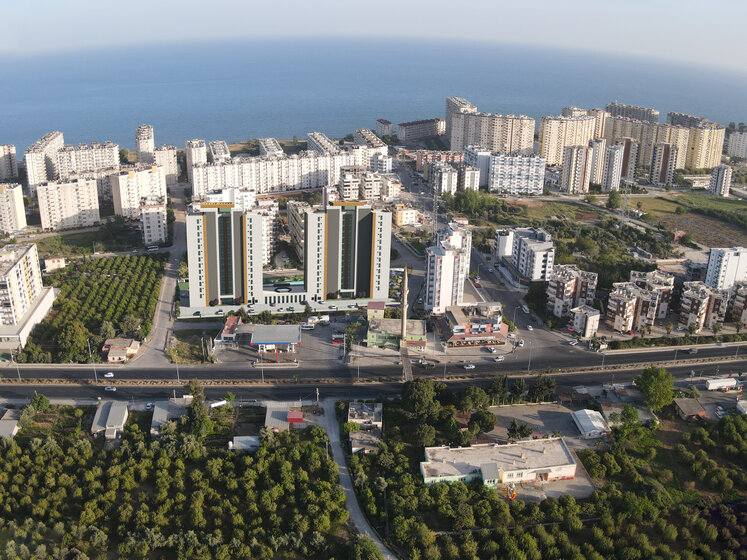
373	144
196	154
165	156
41	159
296	212
321	144
600	121
631	151
598	148
270	147
130	186
20	281
613	165
632	112
572	112
8	163
479	157
469	178
219	151
569	287
585	321
720	180
737	145
86	158
356	183
658	282
103	181
145	144
530	251
630	307
497	133
577	167
663	164
381	164
702	305
153	221
241	199
409	132
456	105
557	133
447	268
516	174
726	267
384	127
443	178
12	210
69	204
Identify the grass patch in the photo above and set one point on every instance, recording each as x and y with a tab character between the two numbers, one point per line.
60	423
88	243
187	346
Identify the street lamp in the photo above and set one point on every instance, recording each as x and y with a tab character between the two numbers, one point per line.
14	357
529	363
90	357
675	354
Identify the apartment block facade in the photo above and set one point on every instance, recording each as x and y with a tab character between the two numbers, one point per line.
530	251
41	159
195	152
12	210
632	112
384	128
598	148
443	178
130	186
702	306
429	156
165	156
270	147
720	181
663	164
69	204
516	174
457	105
409	132
218	151
631	308
145	144
8	163
569	287
577	169
86	158
557	133
447	268
479	157
726	267
659	282
631	152
153	221
469	178
613	166
20	281
497	133
737	145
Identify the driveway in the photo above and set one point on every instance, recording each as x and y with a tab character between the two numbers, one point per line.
356	514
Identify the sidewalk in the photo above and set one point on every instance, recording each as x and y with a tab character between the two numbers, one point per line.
644	349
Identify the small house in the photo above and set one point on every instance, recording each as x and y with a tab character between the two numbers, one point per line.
689	409
120	349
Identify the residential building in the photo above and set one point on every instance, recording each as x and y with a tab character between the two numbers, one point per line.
110	419
558	133
374	147
195	152
120	349
413	131
130	186
663	164
145	144
632	112
479	157
600	121
366	415
357	183
497	133
480	324
631	148
677	136
9	423
443	178
12	210
631	308
659	282
577	168
690	409
705	145
598	149
683	119
270	147
296	213
613	166
103	181
86	158
68	204
219	151
153	221
41	159
585	321
384	128
391	187
695	271
404	215
430	156
737	145
530	251
461	106
381	163
8	163
569	287
726	267
165	156
496	465
515	174
55	263
241	199
702	305
469	178
321	144
720	180
172	409
447	268
739	303
572	112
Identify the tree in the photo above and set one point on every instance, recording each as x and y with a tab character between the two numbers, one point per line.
106	330
198	410
124	156
73	340
542	390
692	328
365	549
484	420
425	435
519	431
614	200
738	326
518	387
473	398
26	417
669	327
499	388
129	324
657	387
40	402
716	328
420	398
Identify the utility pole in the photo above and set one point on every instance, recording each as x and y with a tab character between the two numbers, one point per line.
14	357
176	361
317	397
90	357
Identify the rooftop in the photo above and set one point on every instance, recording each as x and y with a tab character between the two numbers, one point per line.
110	415
690	407
422	121
589	421
586	310
276	334
371	412
11	254
415	327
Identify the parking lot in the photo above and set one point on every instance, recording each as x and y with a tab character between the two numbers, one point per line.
544	419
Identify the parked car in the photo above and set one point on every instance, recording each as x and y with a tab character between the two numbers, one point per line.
491	349
110	388
499	358
109	374
573	342
420	300
428	365
333	307
521	343
469	366
720	411
197	313
511	335
490	270
149	406
530	328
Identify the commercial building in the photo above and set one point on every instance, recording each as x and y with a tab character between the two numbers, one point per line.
218	151
479	157
726	267
585	321
195	152
631	308
662	283
613	165
631	149
447	268
423	157
145	144
530	251
130	186
469	178
515	174
110	419
598	151
8	163
577	170
12	210
41	159
384	128
165	156
590	423
633	112
720	180
557	133
86	158
480	324
410	132
153	221
569	287
702	305
270	147
663	164
737	145
68	204
404	215
443	178
539	460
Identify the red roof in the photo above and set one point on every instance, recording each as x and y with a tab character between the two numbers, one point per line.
376	305
295	416
232	321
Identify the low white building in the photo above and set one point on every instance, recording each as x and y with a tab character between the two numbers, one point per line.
366	415
110	419
586	321
590	423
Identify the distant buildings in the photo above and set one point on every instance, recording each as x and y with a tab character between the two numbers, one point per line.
86	158
577	170
384	128
41	159
165	156
726	267
705	145
457	105
737	145
130	186
218	151
68	204
375	148
196	154
466	126
270	147
632	112
702	305
8	163
663	164
153	221
585	321
410	132
145	144
558	133
720	180
739	302
530	251
569	287
447	268
422	157
12	210
516	174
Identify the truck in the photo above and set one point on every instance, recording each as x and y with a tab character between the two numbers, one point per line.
723	384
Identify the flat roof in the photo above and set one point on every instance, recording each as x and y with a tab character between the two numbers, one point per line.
524	455
690	407
415	327
358	410
276	334
589	421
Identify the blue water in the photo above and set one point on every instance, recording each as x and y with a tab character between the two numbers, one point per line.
235	91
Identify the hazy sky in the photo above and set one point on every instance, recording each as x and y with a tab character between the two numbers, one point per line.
701	32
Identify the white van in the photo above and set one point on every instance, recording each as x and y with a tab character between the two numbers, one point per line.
307	327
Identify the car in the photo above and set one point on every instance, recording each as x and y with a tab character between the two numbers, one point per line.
420	300
499	358
220	312
149	406
573	342
719	408
525	309
530	328
680	328
469	366
109	374
511	335
491	349
693	351
477	285
352	306
428	365
571	329
477	277
291	308
490	270
110	388
720	411
521	343
197	313
333	307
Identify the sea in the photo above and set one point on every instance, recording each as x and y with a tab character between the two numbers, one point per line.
239	90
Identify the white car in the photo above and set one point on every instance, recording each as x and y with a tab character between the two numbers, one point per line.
511	335
530	328
490	270
491	349
149	406
521	343
499	358
573	342
110	388
469	366
109	374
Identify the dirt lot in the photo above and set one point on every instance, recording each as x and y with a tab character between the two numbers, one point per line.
544	419
249	419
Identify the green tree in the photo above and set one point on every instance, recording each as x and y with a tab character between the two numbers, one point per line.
425	435
420	398
543	389
657	387
498	388
40	402
614	200
198	409
72	340
716	328
106	330
26	417
129	324
473	398
484	420
669	327
692	328
519	430
365	549
124	156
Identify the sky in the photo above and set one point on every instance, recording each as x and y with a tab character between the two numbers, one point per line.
695	32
